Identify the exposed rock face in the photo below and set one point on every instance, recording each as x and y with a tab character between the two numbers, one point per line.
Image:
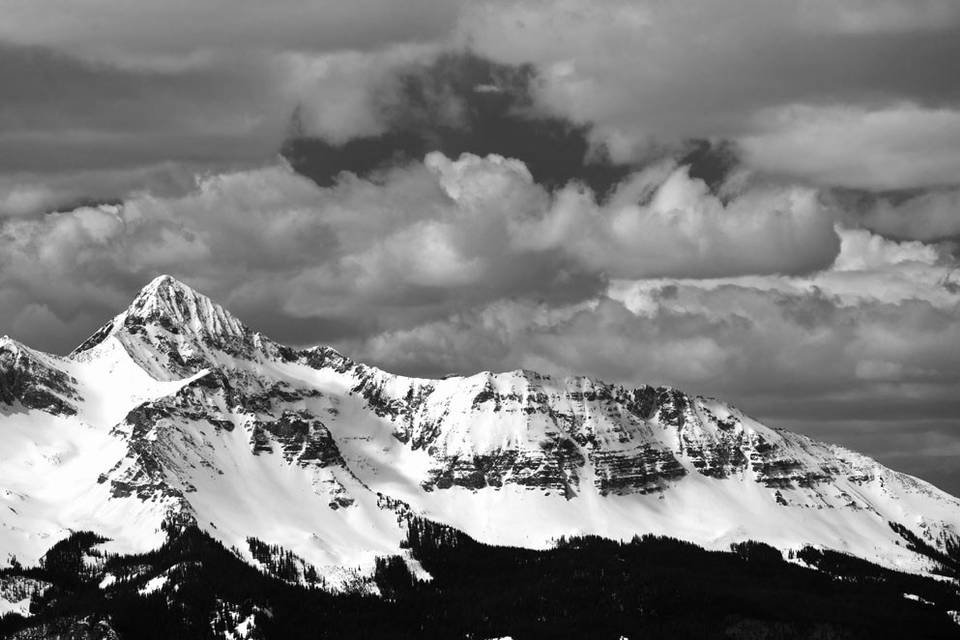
154	467
553	467
637	440
25	378
301	438
173	331
644	469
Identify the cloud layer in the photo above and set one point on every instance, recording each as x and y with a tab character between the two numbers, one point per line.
418	242
654	72
842	93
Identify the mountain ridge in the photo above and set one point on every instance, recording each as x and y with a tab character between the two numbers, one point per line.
176	413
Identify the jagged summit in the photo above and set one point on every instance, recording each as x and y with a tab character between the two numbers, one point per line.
175	305
168	310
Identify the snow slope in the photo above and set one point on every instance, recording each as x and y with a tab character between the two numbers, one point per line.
175	412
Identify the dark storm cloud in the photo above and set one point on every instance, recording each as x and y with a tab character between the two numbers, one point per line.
645	72
712	161
460	103
578	90
207	84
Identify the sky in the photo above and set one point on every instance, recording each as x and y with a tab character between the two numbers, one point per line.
753	200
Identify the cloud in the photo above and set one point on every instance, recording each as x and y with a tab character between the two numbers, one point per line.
395	107
747	341
883	16
26	194
886	148
863	353
930	216
176	34
121	86
62	114
572	88
455	233
413	245
685	231
353	77
650	72
398	109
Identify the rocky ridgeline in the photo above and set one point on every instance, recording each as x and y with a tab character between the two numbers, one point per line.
636	440
173	332
226	416
27	380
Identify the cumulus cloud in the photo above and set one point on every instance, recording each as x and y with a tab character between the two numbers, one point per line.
415	244
29	194
685	231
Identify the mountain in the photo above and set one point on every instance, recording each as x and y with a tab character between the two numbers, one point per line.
175	415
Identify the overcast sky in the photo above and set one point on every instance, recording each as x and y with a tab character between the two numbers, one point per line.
749	199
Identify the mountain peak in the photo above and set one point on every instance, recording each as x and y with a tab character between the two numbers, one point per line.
164	281
168	304
178	308
164	287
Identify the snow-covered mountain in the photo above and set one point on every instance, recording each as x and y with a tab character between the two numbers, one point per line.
176	413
